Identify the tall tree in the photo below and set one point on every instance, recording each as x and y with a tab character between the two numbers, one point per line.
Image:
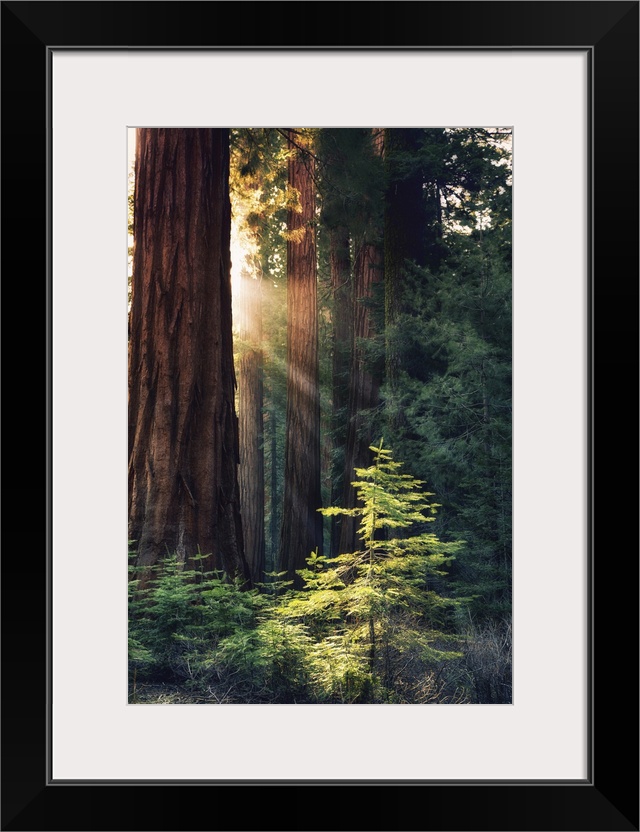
246	182
301	530
336	151
259	199
364	385
365	370
183	432
250	414
341	296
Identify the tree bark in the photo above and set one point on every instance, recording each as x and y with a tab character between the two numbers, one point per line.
250	412
342	296
365	376
183	432
273	496
364	386
301	530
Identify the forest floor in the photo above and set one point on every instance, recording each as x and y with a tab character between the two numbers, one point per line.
165	694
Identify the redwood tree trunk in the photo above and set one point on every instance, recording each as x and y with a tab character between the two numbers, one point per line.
301	530
183	432
274	503
250	404
341	290
365	375
364	386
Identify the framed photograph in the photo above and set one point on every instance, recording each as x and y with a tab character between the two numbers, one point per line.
562	80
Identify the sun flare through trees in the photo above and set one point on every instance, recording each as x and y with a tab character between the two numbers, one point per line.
295	295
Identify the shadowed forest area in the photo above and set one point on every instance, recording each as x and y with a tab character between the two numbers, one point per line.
320	415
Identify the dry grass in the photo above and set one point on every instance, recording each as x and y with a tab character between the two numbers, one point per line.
488	662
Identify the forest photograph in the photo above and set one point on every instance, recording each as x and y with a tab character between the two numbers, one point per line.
320	415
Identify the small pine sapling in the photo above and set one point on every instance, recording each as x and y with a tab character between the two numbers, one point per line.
384	591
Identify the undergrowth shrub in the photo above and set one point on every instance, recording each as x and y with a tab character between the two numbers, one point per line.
181	616
488	662
369	626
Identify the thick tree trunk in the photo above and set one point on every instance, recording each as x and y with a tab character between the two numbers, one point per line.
183	432
301	531
250	405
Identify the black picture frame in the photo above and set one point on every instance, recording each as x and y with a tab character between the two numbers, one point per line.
608	798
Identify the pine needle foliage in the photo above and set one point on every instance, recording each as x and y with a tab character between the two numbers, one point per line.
369	626
370	608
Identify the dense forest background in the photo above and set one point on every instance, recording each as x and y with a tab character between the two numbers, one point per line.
320	416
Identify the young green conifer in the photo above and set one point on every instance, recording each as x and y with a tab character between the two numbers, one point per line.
381	600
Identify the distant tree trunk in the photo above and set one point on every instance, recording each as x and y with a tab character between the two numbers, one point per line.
301	531
183	432
364	386
250	405
340	267
274	502
365	375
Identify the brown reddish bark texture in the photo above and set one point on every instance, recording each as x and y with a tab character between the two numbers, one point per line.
301	530
183	433
341	290
365	377
364	387
250	406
